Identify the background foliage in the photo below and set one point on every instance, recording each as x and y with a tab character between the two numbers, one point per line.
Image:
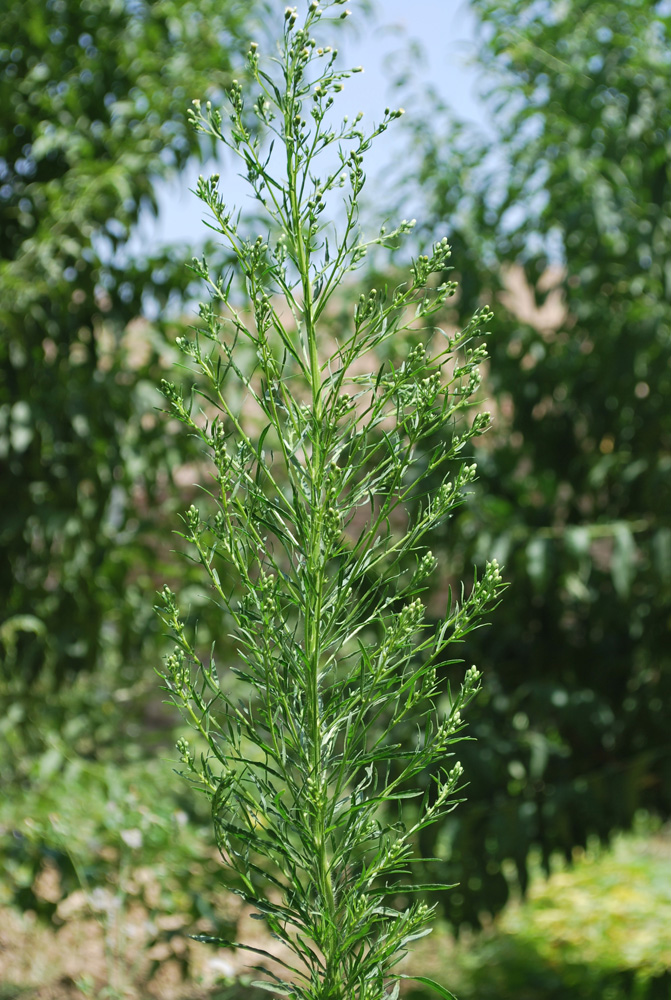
93	97
594	929
574	482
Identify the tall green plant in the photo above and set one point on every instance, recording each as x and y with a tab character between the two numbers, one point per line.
314	440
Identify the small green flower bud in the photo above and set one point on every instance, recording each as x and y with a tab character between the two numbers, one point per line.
472	677
193	518
456	772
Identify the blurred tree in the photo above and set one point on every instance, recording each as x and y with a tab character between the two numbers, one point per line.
93	97
573	194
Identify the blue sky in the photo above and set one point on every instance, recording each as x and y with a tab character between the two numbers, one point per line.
445	32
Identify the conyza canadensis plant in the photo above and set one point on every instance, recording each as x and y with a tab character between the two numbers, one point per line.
323	435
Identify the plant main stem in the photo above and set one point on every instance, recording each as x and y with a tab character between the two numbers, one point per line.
315	570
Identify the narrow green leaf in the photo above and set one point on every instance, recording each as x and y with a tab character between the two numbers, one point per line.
440	990
423	887
280	990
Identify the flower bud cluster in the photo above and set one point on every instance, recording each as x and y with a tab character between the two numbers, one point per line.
332	523
451	783
222	531
359	905
446	788
410	619
443	292
225	467
449	491
218	441
184	750
262	109
281	250
208	123
474	355
299	125
188	347
356	174
492	580
393	853
450	725
266	595
428	389
172	612
425	567
474	380
416	357
484	591
429	680
479	319
174	397
389	116
253	59
316	204
425	265
366	306
343	406
200	267
253	257
236	98
177	669
193	519
194	114
481	422
207	189
316	793
263	311
471	679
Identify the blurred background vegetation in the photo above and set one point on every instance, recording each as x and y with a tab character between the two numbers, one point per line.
562	221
